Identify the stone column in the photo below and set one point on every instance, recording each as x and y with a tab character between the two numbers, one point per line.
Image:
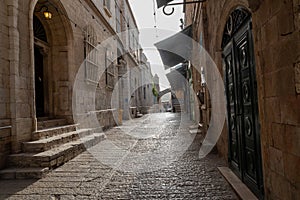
13	52
19	105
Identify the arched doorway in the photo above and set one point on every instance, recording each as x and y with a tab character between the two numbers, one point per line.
242	102
51	40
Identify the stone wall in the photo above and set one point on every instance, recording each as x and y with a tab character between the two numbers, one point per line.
5	133
276	28
96	98
63	56
277	43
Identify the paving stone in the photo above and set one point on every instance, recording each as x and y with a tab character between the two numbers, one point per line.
85	177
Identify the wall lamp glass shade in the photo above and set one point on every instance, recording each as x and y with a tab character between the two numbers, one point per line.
47	14
44	9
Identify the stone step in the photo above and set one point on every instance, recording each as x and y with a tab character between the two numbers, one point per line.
57	156
50	123
139	115
23	173
49	132
54	141
177	108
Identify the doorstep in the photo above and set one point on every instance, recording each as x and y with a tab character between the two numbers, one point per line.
239	187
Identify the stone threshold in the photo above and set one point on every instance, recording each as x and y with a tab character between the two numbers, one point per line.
239	187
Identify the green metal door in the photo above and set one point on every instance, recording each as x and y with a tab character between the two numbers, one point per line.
242	102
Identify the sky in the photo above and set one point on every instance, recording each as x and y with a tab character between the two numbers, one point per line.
143	11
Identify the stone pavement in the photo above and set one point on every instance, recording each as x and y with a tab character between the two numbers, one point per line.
150	162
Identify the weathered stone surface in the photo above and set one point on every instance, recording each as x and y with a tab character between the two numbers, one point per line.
292	140
85	177
292	172
50	152
297	77
277	136
276	160
289	110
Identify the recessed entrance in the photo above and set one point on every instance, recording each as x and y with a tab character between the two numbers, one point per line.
39	67
39	82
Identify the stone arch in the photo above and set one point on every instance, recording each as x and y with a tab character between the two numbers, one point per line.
228	7
166	91
57	58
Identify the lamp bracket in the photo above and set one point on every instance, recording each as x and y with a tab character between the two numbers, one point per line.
181	3
42	8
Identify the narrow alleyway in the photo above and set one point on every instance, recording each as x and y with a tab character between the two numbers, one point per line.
85	177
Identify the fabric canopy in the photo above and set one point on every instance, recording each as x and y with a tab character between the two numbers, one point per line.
177	77
177	48
161	3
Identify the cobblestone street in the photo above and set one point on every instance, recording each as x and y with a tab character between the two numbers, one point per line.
120	174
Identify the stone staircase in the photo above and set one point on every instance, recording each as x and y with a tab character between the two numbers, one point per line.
177	108
54	143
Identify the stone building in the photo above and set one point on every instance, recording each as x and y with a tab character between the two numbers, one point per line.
145	88
129	49
256	47
60	61
179	95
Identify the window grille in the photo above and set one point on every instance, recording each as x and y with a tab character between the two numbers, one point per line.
106	3
110	70
91	54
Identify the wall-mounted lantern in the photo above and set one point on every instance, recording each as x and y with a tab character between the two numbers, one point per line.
47	14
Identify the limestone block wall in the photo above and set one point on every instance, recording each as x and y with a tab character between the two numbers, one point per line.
63	58
277	52
5	132
64	54
95	98
277	43
21	92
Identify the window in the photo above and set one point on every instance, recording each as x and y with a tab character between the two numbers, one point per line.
110	70
118	18
106	3
144	92
106	6
91	55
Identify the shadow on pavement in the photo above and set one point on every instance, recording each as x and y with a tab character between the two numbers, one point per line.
12	187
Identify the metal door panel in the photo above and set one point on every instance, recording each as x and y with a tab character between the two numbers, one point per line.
242	109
